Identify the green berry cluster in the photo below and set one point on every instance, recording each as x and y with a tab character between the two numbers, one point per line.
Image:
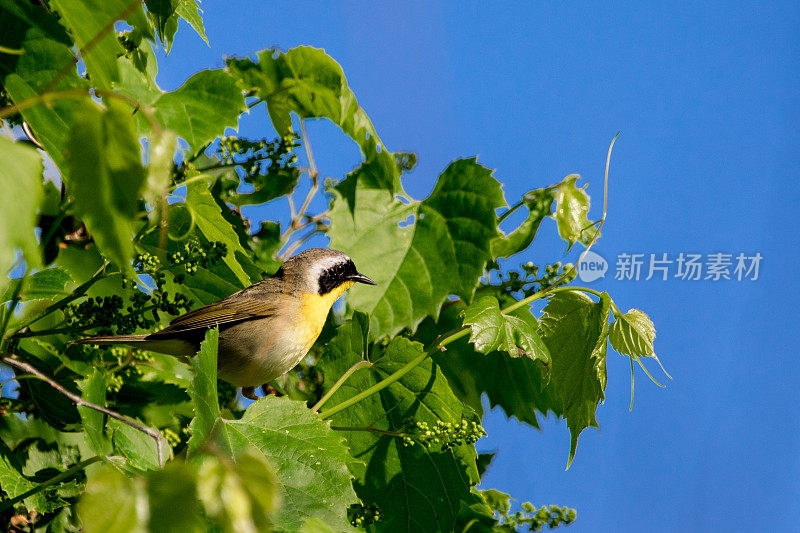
361	516
551	516
444	434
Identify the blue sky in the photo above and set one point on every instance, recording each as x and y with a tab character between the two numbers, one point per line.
707	162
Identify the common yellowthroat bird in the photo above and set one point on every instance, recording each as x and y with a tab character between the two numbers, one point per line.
265	329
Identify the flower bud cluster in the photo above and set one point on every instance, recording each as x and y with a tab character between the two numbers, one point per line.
362	516
444	434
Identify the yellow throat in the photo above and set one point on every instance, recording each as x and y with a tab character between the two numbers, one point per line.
314	310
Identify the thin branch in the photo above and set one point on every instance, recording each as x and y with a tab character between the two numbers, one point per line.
339	383
77	400
74	469
369	429
11	51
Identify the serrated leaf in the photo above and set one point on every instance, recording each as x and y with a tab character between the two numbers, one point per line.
14	484
249	490
211	223
491	329
93	390
308	457
113	503
20	179
106	177
418	266
42	285
310	83
416	489
518	385
203	391
201	108
174	505
165	14
574	329
632	334
91	24
572	208
539	204
140	449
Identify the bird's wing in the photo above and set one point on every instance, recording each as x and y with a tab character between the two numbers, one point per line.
219	313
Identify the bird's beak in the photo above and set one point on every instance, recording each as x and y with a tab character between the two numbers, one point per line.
361	278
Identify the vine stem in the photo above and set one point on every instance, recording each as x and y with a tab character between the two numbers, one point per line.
447	338
74	469
339	383
77	400
368	429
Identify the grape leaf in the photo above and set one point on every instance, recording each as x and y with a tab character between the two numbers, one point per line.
632	334
140	449
309	82
575	329
539	204
518	385
491	329
91	24
416	489
93	390
42	285
20	179
572	208
211	223
416	267
201	108
111	503
106	177
308	457
165	15
14	484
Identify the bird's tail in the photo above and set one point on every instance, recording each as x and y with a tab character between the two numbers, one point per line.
113	339
150	342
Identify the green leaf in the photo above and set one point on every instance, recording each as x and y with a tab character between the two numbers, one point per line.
575	329
112	503
174	505
203	391
20	179
91	23
201	108
46	284
94	391
250	489
211	223
632	334
518	385
572	208
14	484
539	204
309	82
492	330
416	489
140	449
106	177
308	457
418	266
165	14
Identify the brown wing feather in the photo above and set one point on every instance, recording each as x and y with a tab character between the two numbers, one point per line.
218	313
